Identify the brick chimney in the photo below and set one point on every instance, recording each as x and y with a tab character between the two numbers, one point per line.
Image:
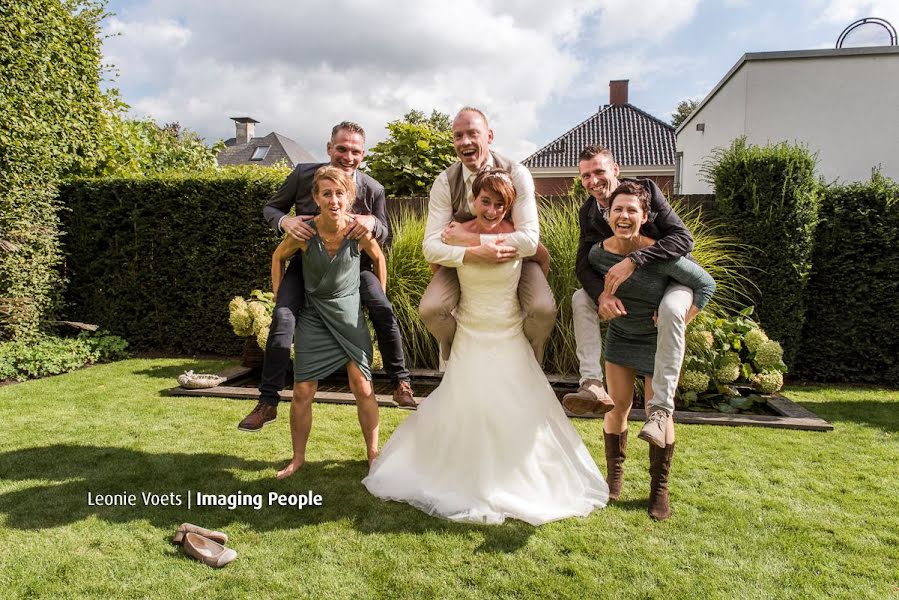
246	129
618	91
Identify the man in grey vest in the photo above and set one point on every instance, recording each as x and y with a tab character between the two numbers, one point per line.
448	245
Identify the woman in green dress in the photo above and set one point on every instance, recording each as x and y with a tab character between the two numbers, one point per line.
630	346
331	332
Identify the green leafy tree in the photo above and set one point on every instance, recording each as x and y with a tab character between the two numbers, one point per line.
416	151
135	147
683	110
51	109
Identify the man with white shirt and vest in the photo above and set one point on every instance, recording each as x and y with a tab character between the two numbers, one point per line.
346	149
448	245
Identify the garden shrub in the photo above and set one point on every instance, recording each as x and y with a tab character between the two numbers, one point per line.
50	105
726	354
768	198
157	259
853	311
50	355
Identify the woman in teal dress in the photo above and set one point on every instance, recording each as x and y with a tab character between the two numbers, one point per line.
331	332
630	346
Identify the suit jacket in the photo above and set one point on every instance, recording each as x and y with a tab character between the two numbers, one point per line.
663	225
296	192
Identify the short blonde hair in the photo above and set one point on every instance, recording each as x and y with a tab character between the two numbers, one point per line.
339	177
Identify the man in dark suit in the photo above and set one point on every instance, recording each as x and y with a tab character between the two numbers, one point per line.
346	151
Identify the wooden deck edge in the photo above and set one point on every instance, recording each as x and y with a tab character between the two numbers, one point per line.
801	419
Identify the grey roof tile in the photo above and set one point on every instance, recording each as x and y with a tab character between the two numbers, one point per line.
282	148
635	137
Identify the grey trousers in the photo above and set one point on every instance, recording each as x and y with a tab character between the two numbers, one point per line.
672	326
536	299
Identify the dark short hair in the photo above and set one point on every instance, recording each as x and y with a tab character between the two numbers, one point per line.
595	150
465	109
349	126
632	188
498	182
339	177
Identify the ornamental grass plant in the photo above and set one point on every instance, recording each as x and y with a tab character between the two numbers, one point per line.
408	275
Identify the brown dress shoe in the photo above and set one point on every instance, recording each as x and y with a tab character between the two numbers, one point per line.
591	397
206	551
659	467
215	536
262	414
403	396
616	452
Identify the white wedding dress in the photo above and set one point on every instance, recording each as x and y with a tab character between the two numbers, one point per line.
492	441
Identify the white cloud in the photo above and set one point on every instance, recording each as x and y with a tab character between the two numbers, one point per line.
301	67
844	12
646	20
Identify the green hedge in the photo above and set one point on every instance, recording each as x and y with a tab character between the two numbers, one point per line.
50	108
156	260
768	198
850	328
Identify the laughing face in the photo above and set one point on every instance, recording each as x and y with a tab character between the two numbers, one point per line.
489	209
331	198
625	217
599	175
472	139
346	150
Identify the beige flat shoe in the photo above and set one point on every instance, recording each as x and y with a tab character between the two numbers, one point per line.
206	551
215	536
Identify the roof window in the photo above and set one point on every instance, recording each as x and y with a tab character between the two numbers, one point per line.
260	152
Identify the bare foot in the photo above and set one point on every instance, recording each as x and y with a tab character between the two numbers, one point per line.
290	469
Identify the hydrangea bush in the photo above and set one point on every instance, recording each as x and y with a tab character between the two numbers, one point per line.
730	363
252	317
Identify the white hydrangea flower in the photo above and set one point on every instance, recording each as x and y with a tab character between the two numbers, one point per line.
754	338
728	370
693	381
767	382
769	356
239	316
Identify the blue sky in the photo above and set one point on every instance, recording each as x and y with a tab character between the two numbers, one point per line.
536	68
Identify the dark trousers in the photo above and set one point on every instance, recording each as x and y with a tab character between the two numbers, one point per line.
290	301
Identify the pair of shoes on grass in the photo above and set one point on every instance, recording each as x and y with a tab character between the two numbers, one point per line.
205	545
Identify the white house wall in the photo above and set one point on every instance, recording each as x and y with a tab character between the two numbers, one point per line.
845	108
723	117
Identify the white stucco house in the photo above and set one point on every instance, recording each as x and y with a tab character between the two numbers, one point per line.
841	103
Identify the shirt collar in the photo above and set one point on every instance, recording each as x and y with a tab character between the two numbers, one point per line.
488	165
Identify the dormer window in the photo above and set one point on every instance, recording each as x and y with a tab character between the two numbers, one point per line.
260	152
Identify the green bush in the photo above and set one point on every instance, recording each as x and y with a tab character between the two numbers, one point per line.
50	107
50	355
724	355
768	198
853	311
157	259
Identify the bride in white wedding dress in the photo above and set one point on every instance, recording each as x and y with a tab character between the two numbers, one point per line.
492	441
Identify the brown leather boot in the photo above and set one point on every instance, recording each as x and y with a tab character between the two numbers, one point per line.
616	452
659	467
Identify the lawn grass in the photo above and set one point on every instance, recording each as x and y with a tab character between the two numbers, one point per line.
758	513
